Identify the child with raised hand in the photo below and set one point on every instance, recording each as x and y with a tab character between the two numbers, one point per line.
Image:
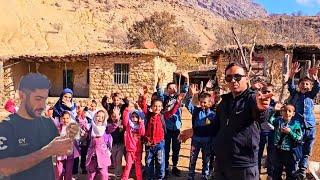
118	144
133	124
287	134
64	164
154	134
173	124
302	99
202	122
99	152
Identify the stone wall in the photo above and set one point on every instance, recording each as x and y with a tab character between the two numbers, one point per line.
141	72
163	66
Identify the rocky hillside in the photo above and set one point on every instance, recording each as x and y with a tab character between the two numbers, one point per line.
82	26
231	9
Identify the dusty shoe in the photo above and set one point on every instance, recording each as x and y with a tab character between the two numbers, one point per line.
176	171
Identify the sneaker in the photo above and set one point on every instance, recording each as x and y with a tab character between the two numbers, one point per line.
176	171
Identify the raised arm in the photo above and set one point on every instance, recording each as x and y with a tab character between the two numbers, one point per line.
160	91
260	104
143	100
125	118
295	68
105	103
192	91
313	72
170	113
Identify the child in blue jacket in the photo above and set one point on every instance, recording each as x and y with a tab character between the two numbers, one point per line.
302	99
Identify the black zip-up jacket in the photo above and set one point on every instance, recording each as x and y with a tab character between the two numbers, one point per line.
236	142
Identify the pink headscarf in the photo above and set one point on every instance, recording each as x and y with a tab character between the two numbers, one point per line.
10	106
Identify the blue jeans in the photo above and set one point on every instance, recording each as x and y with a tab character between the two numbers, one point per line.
205	147
155	161
266	138
308	141
172	136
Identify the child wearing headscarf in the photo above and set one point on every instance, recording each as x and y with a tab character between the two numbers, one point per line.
134	130
65	103
64	164
99	152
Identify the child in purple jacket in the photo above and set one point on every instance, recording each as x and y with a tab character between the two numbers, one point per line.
99	152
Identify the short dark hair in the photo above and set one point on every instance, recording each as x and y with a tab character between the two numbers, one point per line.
236	64
64	113
170	83
156	100
94	101
204	95
286	105
304	79
116	95
33	81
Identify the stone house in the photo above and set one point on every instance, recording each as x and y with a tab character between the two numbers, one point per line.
267	60
90	75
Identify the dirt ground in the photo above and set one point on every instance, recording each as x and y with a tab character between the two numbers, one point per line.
316	148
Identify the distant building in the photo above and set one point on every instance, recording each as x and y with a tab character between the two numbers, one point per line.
91	75
266	58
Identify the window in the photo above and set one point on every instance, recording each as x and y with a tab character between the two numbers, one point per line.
68	79
121	74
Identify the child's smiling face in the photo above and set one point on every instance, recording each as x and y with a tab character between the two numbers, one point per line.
305	86
156	107
65	119
172	89
135	118
100	118
205	103
116	100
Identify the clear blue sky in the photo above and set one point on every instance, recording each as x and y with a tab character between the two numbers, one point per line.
308	7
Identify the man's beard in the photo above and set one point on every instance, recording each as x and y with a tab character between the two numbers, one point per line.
29	109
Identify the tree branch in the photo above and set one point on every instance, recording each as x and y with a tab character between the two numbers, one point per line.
235	37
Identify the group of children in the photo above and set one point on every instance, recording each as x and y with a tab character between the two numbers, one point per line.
120	129
290	130
124	127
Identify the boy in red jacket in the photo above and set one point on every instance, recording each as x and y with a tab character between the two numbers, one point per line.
154	134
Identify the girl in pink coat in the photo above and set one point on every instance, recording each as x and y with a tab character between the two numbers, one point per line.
134	129
99	151
64	164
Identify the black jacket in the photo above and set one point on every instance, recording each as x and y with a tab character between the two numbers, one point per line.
236	143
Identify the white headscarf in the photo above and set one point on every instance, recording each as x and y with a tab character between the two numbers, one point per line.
97	130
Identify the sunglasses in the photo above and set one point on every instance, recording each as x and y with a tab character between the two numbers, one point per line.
236	77
265	92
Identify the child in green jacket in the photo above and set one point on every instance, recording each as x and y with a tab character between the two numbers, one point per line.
287	134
